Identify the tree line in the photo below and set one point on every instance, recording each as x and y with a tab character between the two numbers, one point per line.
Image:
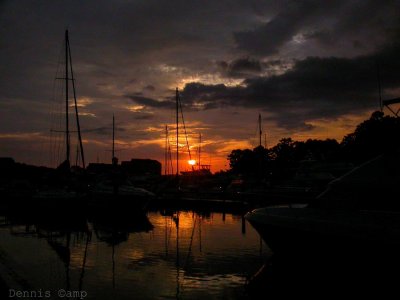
372	137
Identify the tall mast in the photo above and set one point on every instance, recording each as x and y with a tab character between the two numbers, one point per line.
113	140
177	132
259	127
75	102
199	152
166	150
66	98
379	86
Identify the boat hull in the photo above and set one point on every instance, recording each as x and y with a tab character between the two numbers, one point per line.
316	232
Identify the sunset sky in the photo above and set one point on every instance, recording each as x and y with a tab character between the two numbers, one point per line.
308	67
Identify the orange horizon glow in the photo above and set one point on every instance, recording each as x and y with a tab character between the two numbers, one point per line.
214	149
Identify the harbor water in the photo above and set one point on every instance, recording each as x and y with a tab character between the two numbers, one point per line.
164	255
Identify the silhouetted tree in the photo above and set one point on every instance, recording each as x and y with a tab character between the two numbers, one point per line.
320	150
372	137
284	151
249	162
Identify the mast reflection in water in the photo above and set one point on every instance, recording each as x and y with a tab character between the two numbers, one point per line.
162	255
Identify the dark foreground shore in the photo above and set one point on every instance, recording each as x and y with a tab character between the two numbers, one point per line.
3	289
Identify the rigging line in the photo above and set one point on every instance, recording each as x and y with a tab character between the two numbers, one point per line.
76	108
184	128
170	155
255	137
170	159
50	140
68	145
54	108
51	111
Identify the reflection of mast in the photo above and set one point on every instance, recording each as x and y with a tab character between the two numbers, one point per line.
68	261
200	234
113	266
166	236
190	243
88	235
176	219
64	253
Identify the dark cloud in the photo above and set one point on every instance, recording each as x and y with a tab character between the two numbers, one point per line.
361	23
240	68
357	26
151	102
314	88
143	116
267	38
150	88
104	130
202	92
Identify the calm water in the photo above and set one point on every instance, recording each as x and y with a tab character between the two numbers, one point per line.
184	255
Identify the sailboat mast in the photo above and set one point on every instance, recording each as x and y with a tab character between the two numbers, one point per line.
379	87
177	132
113	140
66	98
199	151
259	127
166	150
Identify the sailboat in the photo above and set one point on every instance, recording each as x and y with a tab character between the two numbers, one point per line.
115	191
62	185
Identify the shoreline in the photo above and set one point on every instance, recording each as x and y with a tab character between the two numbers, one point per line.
3	289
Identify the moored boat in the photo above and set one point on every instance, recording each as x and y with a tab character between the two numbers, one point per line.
109	194
357	214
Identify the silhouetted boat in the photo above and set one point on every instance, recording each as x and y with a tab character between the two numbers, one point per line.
115	191
358	214
63	188
120	195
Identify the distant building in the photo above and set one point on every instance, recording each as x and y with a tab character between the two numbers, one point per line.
142	167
